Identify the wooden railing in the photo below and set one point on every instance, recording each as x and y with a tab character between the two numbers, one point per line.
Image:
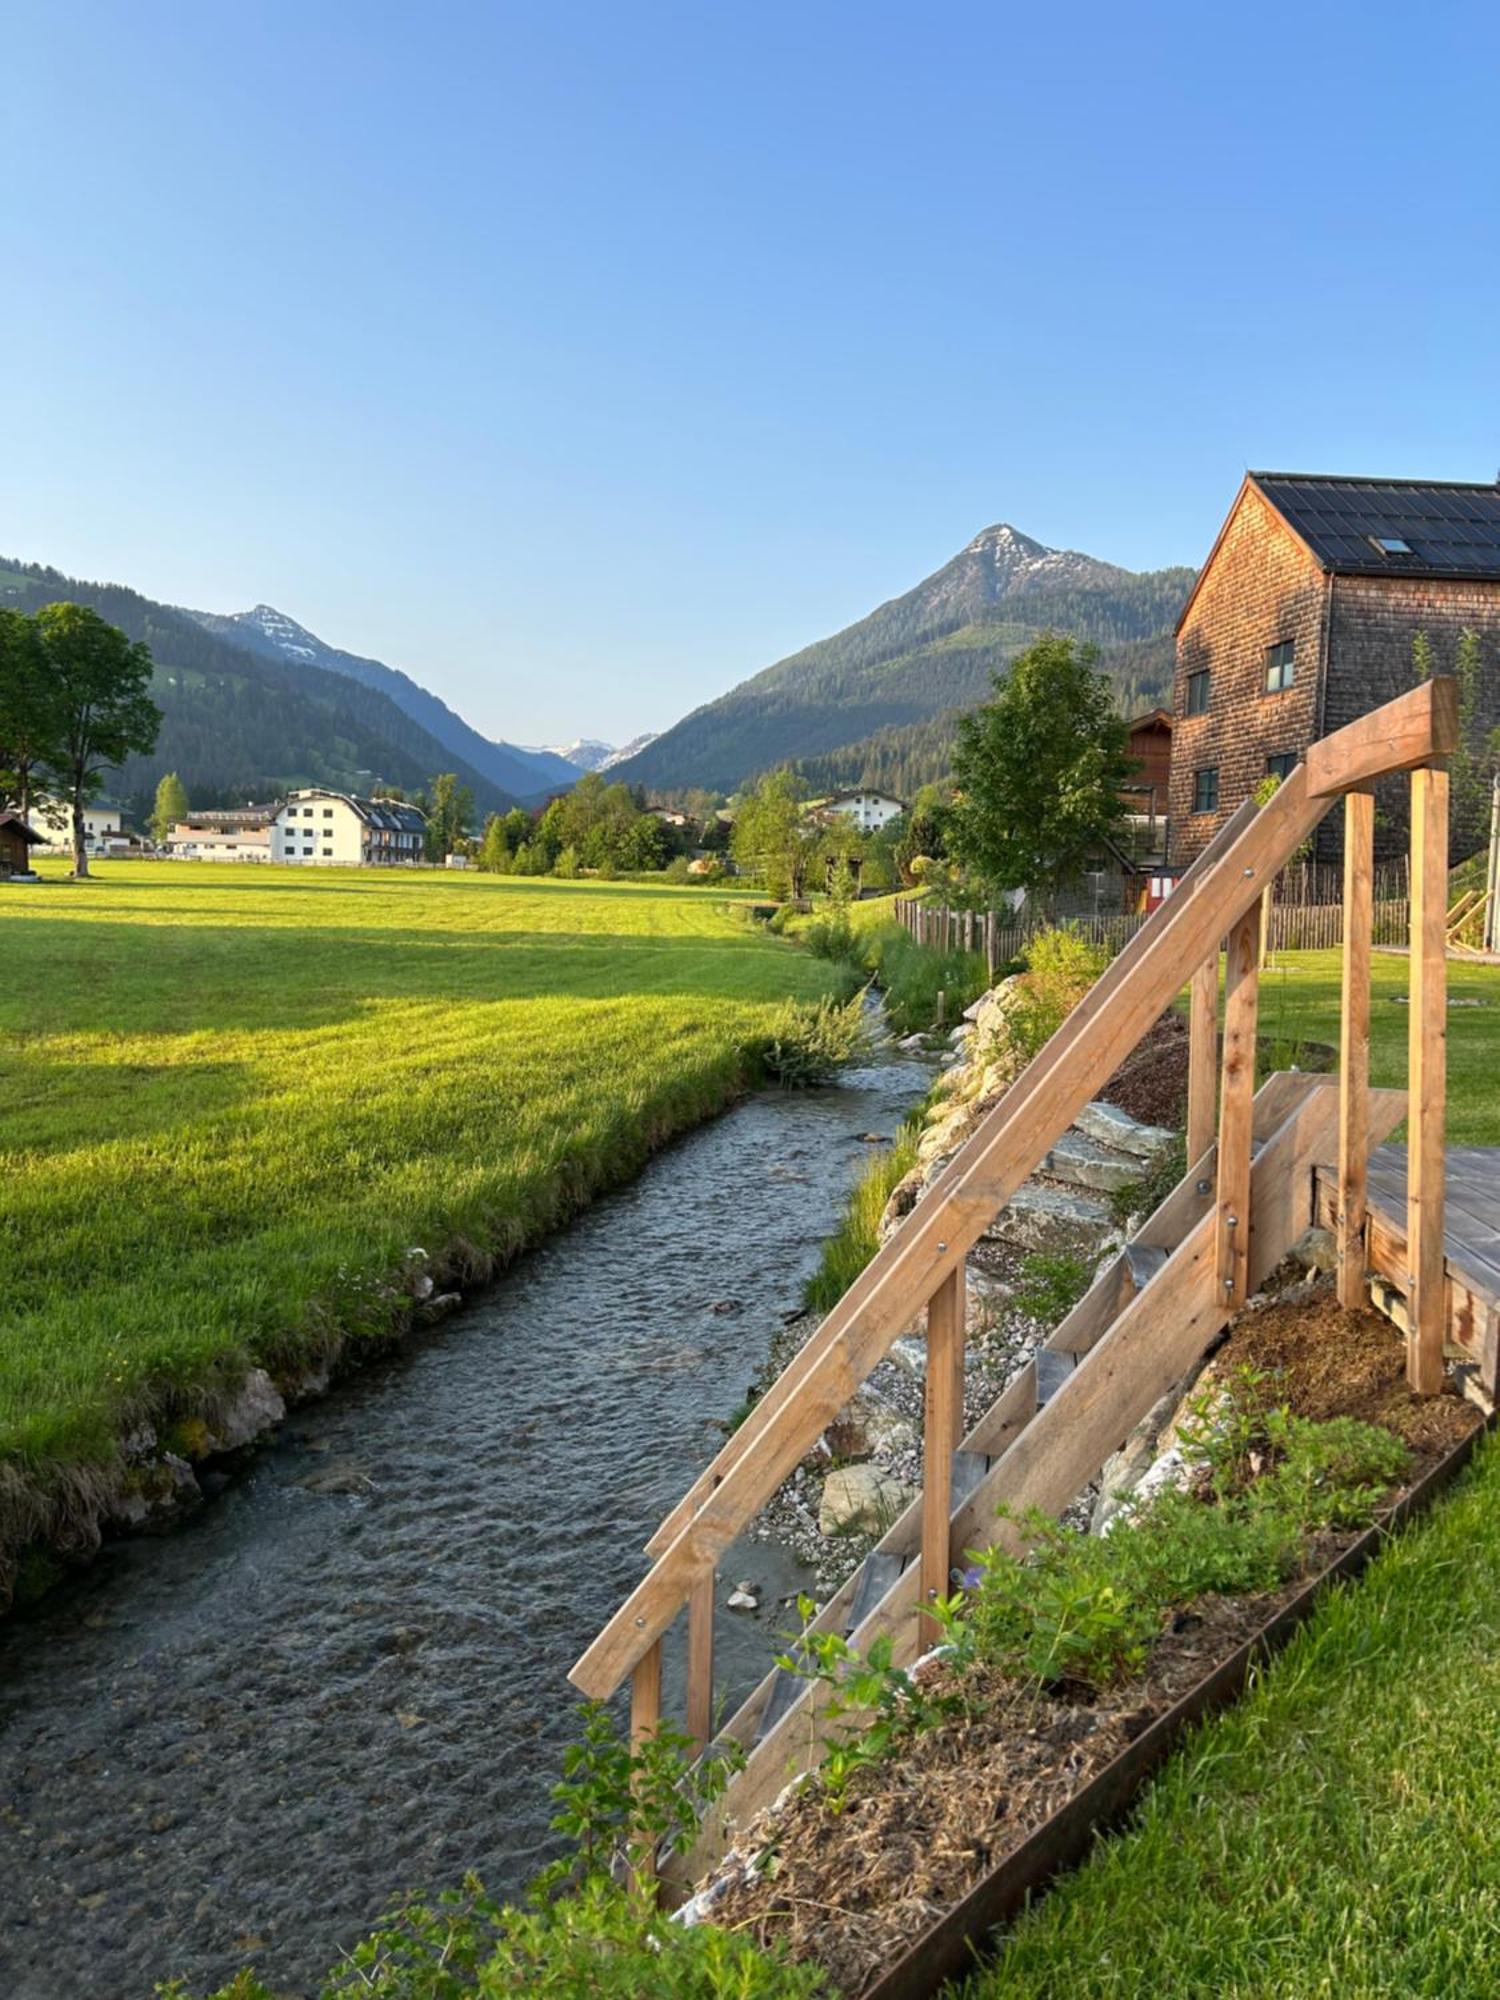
920	1271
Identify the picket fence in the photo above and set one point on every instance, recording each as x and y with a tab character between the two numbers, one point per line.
1300	926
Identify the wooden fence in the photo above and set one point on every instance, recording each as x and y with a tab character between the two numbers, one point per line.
1299	926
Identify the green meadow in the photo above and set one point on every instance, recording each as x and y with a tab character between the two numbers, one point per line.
234	1099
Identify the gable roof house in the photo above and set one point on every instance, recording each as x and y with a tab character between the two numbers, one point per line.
16	842
1304	617
332	829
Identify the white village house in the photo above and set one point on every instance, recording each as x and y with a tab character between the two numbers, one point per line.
332	829
103	830
870	811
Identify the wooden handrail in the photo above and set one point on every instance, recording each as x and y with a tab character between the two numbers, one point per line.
1009	1144
788	1384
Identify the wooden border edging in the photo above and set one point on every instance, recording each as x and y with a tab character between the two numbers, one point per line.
950	1948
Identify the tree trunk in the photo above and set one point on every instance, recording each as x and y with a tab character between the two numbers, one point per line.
23	773
80	852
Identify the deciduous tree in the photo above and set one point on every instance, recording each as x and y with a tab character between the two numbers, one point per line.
104	712
1039	772
30	715
171	806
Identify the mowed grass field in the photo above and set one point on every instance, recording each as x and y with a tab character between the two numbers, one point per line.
233	1099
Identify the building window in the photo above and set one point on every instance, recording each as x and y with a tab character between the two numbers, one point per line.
1206	790
1197	694
328	812
1282	764
1279	668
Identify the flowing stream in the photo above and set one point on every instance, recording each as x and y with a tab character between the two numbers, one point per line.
346	1677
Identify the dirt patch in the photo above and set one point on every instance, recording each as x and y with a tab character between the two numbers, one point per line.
1151	1083
1333	1363
852	1891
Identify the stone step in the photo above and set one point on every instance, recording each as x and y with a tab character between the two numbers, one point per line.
1110	1126
1144	1260
1083	1162
1049	1218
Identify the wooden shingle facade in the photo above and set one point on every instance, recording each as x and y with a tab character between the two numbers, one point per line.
1305	616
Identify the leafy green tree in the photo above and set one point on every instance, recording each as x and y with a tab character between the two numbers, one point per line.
449	812
1039	772
29	710
170	808
104	713
517	824
645	845
494	848
771	835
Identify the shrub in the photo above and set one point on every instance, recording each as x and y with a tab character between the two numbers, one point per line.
1061	966
810	1040
911	977
831	937
1051	1286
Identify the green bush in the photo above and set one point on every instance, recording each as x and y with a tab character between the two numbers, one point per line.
1051	1285
810	1040
1060	967
831	937
911	977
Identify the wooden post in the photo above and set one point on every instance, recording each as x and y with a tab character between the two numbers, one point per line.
1236	1107
1203	1058
1354	1054
645	1714
942	1427
700	1662
1427	1081
1491	931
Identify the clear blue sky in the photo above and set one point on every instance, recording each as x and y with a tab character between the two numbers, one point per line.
584	359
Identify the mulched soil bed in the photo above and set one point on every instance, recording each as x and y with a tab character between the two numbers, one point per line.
917	1833
1151	1083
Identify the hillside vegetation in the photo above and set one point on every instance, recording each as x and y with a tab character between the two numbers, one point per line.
238	722
878	701
238	1097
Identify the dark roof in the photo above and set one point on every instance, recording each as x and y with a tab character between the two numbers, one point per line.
1452	528
14	821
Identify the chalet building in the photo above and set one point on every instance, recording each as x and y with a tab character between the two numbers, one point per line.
16	842
1304	617
103	829
870	811
332	829
235	833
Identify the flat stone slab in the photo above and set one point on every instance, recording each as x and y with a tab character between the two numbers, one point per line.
1108	1125
1048	1218
1085	1163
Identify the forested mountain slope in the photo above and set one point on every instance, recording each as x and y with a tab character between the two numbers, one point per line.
877	702
270	632
238	723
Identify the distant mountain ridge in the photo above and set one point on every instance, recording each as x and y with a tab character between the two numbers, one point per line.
521	773
878	702
590	753
245	720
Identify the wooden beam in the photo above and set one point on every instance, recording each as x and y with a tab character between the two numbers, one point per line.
1007	1146
789	1387
1203	1057
1427	1079
1078	1333
1236	1107
700	1662
1148	1349
942	1426
1402	735
1354	1055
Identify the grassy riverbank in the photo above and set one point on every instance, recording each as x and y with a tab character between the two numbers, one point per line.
237	1097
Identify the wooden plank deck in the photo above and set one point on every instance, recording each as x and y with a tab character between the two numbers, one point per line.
1471	1242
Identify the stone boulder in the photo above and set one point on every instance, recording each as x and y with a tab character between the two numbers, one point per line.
868	1427
860	1500
255	1409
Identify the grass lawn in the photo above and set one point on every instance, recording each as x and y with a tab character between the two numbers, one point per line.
235	1097
1334	1834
